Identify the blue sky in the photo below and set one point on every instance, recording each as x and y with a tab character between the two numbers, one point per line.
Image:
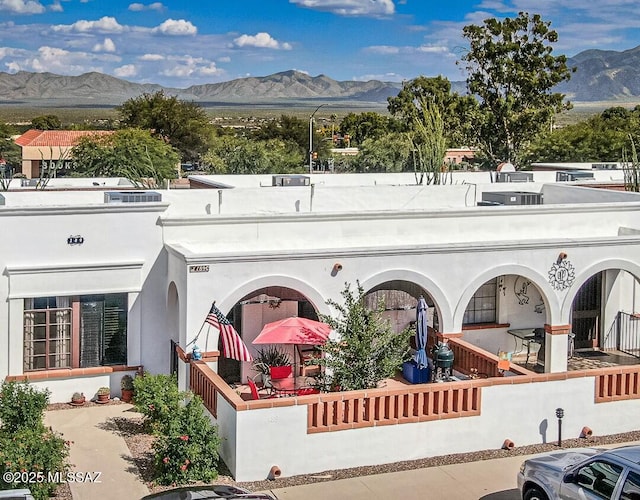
180	43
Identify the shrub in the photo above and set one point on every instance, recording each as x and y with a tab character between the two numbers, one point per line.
25	444
36	450
21	406
188	448
157	398
367	350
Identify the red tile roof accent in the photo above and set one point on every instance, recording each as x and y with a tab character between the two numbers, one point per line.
56	137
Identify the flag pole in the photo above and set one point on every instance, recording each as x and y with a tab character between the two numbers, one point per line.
200	331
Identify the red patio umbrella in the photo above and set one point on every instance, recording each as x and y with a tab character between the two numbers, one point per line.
294	330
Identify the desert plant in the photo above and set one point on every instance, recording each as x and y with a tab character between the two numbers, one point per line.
270	356
367	349
38	451
103	391
126	383
25	443
21	406
157	398
78	398
187	450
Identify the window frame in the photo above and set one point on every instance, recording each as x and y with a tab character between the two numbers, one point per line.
472	314
74	312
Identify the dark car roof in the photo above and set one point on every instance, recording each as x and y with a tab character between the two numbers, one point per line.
629	453
208	491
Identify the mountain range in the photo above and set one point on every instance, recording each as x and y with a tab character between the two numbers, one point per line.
600	76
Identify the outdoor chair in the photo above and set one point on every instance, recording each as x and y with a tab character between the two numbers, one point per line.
307	368
255	392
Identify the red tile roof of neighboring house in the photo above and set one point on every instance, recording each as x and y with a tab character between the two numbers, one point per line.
56	137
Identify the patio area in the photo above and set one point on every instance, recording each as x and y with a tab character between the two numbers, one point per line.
585	359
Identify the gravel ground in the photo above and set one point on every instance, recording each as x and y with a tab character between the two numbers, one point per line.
140	445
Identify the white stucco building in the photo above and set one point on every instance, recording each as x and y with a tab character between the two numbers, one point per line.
91	290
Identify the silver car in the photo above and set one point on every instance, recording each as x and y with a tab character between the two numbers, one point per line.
583	473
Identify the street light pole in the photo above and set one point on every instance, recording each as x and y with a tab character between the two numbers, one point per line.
311	137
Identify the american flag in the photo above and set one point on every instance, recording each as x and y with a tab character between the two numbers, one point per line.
232	345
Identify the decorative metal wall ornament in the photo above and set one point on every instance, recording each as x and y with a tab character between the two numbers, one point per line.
521	292
562	274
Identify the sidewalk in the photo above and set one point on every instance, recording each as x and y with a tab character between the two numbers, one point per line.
97	448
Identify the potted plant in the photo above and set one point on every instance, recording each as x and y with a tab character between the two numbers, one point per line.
104	393
126	384
78	399
268	357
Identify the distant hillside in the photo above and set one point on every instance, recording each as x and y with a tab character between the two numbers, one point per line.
604	75
600	76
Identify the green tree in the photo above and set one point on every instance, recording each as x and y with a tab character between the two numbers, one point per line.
46	122
184	125
363	126
631	168
11	153
512	70
456	110
428	141
367	349
388	153
130	153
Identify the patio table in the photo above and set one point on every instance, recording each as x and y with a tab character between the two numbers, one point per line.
527	336
291	386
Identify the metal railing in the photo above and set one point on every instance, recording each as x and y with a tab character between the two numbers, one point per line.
628	333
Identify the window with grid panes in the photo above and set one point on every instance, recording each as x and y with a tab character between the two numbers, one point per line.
75	332
482	306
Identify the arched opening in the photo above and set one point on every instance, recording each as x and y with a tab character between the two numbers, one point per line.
173	324
251	313
400	298
507	314
602	313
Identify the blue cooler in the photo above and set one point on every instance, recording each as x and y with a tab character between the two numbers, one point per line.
415	375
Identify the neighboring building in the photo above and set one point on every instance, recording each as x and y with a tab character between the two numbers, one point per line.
96	284
43	149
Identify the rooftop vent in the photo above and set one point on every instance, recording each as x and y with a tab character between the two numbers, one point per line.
514	177
573	175
604	166
1	200
132	197
290	180
510	198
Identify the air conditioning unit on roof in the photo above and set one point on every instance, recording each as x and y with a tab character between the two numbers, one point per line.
573	175
510	198
132	197
514	177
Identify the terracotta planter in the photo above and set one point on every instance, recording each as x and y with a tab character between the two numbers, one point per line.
127	395
103	398
78	402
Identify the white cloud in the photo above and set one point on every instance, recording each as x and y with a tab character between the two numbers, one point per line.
126	71
105	24
365	8
151	57
56	7
139	7
176	27
224	59
383	77
383	49
261	40
106	46
22	6
187	66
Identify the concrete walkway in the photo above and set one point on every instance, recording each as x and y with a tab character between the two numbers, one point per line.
97	448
